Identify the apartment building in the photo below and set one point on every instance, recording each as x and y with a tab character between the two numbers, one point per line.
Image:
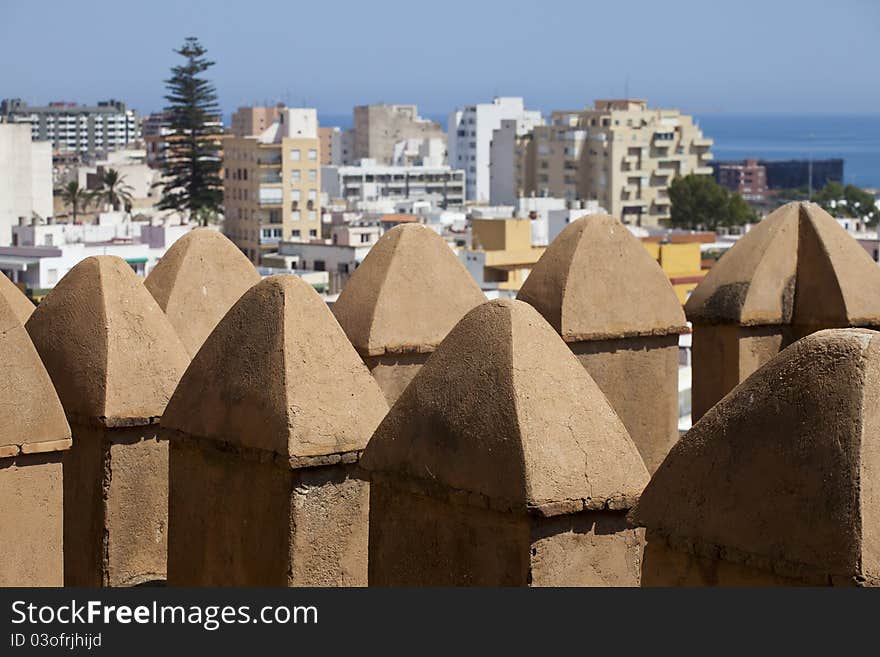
619	153
442	186
505	168
332	151
747	178
254	120
272	184
377	128
470	138
25	178
83	129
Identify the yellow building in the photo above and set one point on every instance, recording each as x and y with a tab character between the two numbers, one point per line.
619	153
272	184
501	254
682	263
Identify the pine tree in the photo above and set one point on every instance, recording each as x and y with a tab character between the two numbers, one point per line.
191	161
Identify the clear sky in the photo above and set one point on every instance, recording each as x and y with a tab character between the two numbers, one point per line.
698	55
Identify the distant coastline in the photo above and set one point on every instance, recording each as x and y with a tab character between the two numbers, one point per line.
776	136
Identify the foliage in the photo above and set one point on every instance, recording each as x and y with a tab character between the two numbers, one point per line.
700	203
849	201
191	160
75	197
115	191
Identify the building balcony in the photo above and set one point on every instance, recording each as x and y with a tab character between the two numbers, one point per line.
702	142
707	156
270	177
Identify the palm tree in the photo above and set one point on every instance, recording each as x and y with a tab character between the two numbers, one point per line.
75	197
115	191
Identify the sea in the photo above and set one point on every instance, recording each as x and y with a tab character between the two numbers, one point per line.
853	137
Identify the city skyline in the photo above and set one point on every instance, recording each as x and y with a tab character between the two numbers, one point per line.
768	58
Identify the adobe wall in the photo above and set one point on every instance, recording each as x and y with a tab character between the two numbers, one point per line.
665	565
593	548
241	518
31	491
639	376
211	493
329	527
115	506
724	355
416	540
393	372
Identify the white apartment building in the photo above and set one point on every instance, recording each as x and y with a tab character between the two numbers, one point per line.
505	173
25	178
43	254
470	137
442	186
107	126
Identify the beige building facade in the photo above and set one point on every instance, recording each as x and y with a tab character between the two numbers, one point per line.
272	185
377	128
620	153
252	121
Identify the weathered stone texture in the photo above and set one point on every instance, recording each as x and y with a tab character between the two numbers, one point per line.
615	308
501	441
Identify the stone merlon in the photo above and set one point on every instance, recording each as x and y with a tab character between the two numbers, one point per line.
407	294
32	420
19	304
297	387
781	474
596	281
798	266
197	281
503	411
111	352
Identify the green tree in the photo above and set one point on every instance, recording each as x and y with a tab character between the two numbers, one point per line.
75	197
115	191
698	202
191	158
849	201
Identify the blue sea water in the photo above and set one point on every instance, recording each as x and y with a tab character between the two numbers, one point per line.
853	137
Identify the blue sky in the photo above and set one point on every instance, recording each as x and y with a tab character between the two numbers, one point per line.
701	56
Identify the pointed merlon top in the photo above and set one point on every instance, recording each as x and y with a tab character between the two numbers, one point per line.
796	266
18	303
197	281
279	375
784	468
407	294
31	418
596	281
110	351
504	411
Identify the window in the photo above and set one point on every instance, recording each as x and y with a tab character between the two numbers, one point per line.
313	195
313	154
313	175
295	154
343	267
294	195
295	215
365	238
294	233
313	233
295	176
319	265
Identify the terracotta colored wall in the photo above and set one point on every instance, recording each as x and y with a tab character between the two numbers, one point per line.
639	376
31	520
